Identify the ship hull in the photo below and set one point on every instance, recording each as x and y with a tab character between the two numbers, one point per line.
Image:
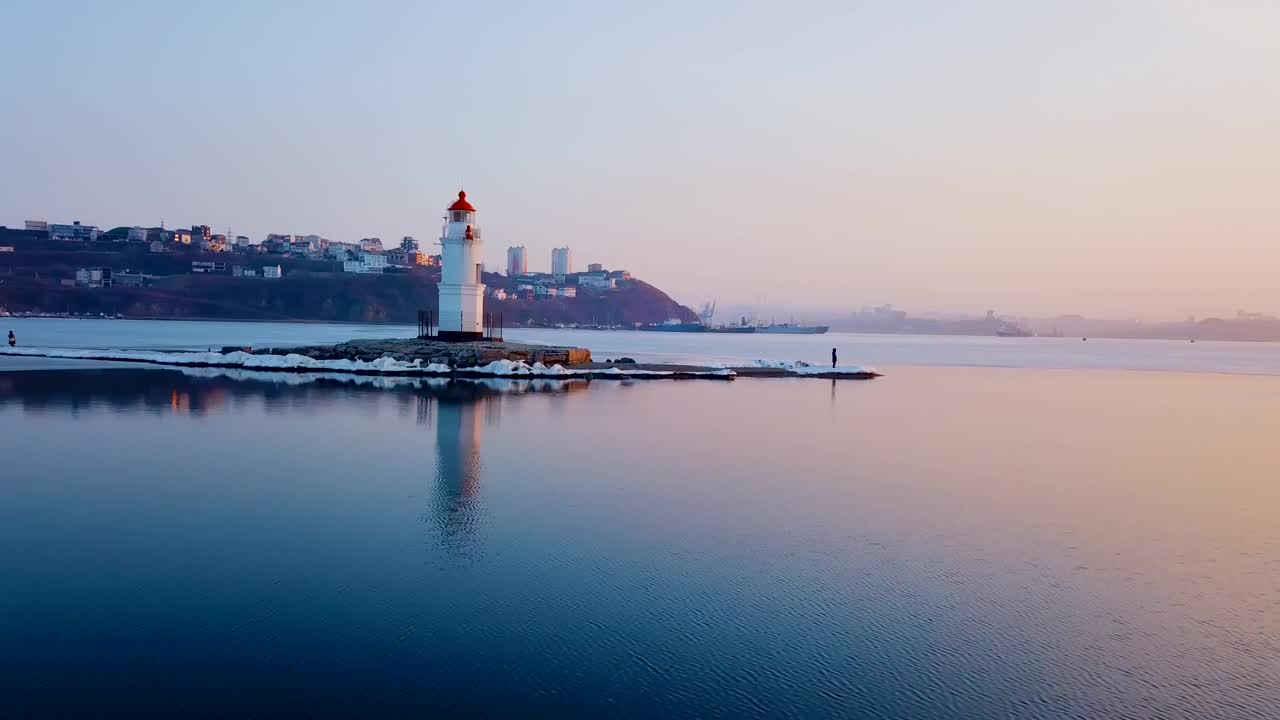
674	328
793	330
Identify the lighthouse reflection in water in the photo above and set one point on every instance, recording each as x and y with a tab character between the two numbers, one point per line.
460	412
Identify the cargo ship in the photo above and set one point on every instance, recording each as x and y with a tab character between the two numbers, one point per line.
1011	330
789	329
742	326
675	325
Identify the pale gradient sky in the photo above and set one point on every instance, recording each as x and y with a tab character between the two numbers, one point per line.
1108	157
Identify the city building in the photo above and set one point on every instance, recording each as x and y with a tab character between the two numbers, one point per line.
37	225
561	262
517	261
599	281
207	266
201	233
285	244
242	242
371	244
182	237
341	251
137	234
366	262
595	268
74	231
567	292
93	277
461	281
271	272
408	244
300	246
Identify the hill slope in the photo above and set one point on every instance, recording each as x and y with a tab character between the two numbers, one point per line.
31	283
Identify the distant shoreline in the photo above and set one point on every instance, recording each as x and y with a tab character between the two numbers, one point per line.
387	323
212	319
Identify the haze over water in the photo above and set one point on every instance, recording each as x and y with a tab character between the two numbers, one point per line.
880	351
938	543
1108	157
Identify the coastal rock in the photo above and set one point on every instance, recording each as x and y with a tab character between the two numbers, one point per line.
484	356
550	357
428	350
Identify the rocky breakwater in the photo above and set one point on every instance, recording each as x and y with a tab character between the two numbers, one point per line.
457	355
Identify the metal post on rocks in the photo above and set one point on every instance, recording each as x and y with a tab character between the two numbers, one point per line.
426	323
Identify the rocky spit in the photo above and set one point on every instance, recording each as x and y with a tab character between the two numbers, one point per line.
433	358
475	354
457	355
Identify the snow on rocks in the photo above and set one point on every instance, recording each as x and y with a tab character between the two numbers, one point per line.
294	362
390	366
800	367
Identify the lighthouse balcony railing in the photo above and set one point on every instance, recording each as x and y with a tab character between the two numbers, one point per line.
476	234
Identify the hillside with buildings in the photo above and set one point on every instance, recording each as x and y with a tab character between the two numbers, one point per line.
142	272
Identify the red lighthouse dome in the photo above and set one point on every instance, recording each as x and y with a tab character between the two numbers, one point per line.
461	203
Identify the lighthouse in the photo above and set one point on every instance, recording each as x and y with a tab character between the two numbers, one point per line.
461	284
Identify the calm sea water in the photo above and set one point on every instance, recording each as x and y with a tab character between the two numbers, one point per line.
881	351
943	542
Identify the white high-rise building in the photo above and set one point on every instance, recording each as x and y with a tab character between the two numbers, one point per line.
517	261
561	261
461	274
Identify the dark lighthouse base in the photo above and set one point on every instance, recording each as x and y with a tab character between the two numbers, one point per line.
490	329
454	336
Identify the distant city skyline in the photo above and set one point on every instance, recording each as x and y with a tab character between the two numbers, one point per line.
761	307
1112	159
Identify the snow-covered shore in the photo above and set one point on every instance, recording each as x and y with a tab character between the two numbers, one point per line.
799	367
382	366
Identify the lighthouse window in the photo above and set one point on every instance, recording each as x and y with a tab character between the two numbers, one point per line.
479	273
457	216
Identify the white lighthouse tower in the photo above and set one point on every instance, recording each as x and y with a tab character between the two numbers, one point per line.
461	284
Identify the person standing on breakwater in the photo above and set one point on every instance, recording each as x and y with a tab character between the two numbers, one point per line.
833	358
13	339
